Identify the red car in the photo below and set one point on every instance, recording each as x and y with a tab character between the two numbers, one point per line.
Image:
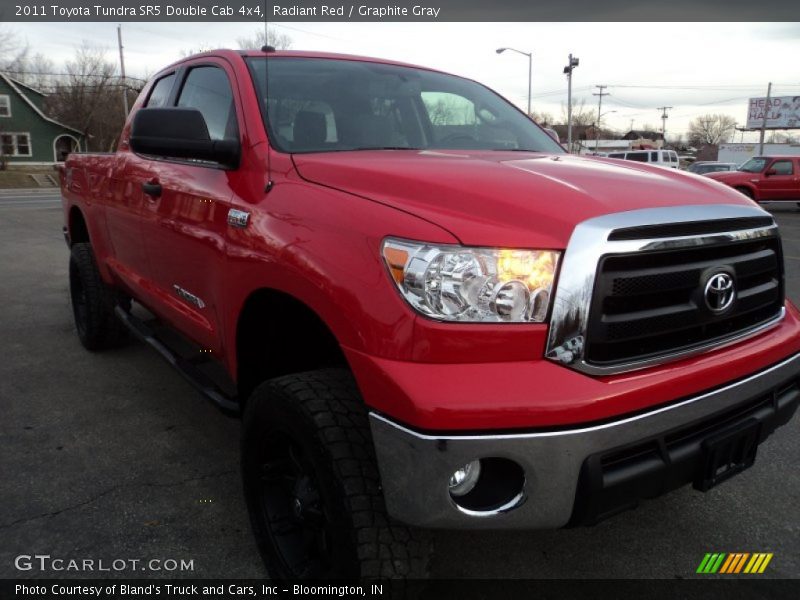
765	178
427	314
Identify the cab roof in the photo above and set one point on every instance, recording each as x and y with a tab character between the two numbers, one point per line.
230	54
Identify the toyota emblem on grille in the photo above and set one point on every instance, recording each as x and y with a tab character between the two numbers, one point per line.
719	292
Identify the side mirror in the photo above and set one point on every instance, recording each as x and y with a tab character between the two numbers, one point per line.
770	172
179	133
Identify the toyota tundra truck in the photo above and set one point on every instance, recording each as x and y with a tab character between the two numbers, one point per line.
426	313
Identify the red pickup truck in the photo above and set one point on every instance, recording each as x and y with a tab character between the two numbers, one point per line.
426	312
765	178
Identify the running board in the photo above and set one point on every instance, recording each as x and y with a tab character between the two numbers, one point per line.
189	371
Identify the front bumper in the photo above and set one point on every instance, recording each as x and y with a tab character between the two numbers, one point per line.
577	475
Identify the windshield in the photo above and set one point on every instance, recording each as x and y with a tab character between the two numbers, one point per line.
754	165
324	105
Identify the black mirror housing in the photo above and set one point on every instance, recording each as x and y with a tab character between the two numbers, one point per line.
179	133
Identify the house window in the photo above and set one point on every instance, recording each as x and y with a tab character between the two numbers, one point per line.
15	144
5	105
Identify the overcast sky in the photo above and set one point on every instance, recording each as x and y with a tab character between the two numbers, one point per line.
697	68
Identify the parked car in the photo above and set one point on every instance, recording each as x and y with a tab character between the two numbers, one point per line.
765	178
426	313
704	167
661	158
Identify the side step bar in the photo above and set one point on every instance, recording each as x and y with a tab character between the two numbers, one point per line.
189	371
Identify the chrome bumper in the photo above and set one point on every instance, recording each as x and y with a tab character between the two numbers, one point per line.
415	468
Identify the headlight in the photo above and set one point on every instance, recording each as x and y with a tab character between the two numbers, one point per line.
485	285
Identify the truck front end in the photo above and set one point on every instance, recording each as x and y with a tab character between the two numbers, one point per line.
670	354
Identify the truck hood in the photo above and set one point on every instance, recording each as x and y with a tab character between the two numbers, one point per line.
510	199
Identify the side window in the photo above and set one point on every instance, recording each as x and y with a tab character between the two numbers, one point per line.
654	157
637	156
782	167
617	155
208	90
160	92
673	157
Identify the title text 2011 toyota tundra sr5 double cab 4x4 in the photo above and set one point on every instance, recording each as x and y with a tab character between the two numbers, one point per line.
428	315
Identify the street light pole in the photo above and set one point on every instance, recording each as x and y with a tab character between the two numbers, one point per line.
573	62
530	70
599	123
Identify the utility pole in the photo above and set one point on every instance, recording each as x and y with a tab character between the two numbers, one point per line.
122	72
573	62
664	117
600	95
764	122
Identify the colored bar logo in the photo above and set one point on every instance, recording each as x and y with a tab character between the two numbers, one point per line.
734	563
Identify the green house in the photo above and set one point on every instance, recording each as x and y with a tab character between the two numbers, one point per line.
27	135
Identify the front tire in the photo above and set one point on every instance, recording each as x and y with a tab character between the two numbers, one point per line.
93	302
312	485
746	192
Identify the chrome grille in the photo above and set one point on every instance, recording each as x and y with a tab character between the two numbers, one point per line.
630	286
651	303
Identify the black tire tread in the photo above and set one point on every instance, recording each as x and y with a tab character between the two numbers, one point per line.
330	400
103	329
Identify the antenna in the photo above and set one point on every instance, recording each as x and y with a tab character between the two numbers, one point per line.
267	49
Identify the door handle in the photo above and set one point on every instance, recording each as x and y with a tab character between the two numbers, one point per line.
152	188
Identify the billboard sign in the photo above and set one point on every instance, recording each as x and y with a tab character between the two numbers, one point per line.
783	112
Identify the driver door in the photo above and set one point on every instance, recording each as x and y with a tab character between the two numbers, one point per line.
184	218
779	186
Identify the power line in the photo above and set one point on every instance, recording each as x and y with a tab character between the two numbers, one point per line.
720	87
63	74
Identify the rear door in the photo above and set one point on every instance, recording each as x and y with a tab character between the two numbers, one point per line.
780	185
125	203
185	215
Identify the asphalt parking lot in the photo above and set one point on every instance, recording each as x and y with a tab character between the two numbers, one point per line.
113	456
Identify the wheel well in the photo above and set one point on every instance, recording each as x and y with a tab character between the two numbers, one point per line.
276	335
78	232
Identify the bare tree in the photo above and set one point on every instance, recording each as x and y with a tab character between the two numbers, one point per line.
37	71
581	115
711	129
203	47
88	97
13	51
782	137
544	119
268	37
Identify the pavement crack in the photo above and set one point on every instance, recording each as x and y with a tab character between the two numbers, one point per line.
113	489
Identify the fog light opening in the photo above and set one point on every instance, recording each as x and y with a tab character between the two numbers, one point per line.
487	486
